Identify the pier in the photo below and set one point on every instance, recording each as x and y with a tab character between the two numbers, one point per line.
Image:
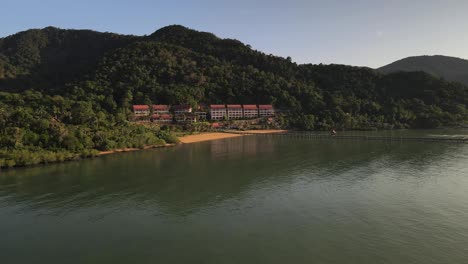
309	135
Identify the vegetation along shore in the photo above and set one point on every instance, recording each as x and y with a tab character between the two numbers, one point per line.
64	99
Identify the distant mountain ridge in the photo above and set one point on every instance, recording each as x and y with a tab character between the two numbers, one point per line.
450	68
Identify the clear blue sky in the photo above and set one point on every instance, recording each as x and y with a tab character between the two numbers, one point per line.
361	32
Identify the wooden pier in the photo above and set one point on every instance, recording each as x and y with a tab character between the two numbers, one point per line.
308	135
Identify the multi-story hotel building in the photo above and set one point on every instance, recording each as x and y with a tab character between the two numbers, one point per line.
186	118
164	118
141	110
201	115
266	110
184	113
234	111
182	109
201	112
160	109
250	111
218	112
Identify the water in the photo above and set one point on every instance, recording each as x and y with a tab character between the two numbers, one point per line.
243	200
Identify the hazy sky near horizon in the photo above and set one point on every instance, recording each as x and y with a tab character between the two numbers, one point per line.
361	32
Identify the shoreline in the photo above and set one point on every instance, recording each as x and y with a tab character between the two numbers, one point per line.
188	139
208	136
205	136
108	152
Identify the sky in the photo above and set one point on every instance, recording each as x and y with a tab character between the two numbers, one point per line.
369	33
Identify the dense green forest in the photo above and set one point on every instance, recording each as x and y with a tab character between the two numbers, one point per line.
450	68
67	93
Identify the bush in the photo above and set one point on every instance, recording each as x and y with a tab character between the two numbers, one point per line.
168	137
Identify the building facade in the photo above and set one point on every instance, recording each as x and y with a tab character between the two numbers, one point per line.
201	112
185	113
201	115
218	112
186	118
182	109
161	118
234	111
250	111
141	110
266	110
160	109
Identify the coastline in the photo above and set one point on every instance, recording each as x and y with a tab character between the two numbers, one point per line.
222	135
207	137
107	152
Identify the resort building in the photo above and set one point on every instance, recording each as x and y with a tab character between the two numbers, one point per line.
266	110
182	109
234	111
218	112
186	118
166	118
141	110
160	109
191	118
201	115
155	117
201	112
250	111
163	118
185	113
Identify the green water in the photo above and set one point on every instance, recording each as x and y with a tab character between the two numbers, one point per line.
253	199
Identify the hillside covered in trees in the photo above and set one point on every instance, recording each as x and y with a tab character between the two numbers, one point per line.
70	91
450	68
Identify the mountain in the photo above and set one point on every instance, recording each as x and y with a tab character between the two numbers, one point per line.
450	68
68	93
54	54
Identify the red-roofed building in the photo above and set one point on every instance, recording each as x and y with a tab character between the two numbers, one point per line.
183	113
141	110
234	111
181	109
161	109
218	112
266	110
201	115
250	111
165	118
186	118
201	112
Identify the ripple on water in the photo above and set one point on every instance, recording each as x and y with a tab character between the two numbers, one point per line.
251	199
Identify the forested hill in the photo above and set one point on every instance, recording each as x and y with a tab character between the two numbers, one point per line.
450	68
51	57
71	90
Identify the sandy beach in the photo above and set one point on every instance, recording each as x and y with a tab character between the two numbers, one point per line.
222	135
196	138
207	136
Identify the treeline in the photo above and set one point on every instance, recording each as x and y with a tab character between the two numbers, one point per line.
37	128
70	91
316	96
